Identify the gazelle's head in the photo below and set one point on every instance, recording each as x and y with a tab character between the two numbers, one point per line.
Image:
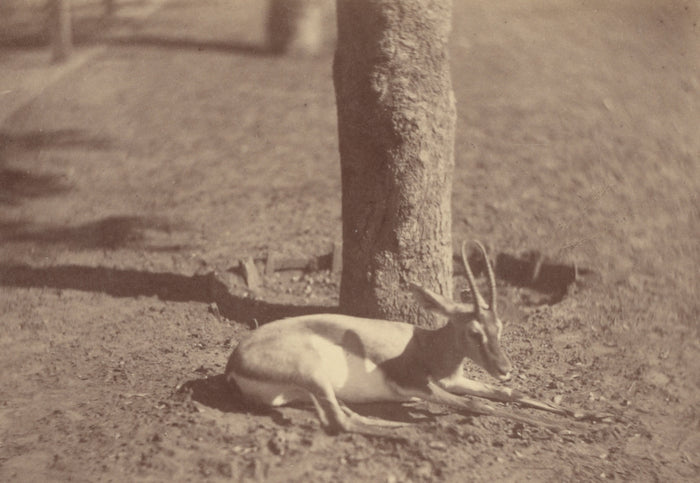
477	325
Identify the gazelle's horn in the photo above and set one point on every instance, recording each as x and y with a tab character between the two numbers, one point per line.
478	299
492	277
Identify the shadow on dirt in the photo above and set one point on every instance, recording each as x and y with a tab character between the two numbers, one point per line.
205	288
109	233
531	271
17	184
214	392
549	277
60	138
392	411
232	47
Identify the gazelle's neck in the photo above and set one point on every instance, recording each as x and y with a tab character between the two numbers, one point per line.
443	353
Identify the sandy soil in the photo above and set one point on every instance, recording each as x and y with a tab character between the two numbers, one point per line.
183	147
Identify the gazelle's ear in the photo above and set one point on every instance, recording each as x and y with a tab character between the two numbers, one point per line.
432	301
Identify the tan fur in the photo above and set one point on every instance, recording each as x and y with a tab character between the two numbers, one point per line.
329	359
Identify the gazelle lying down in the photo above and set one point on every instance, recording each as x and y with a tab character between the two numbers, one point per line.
330	359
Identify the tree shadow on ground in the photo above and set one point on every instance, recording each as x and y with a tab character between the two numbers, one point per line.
530	271
59	138
17	184
207	288
533	271
162	42
109	233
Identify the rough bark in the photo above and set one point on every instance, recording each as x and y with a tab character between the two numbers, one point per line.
396	118
61	30
295	26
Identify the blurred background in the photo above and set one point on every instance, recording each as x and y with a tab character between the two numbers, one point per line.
178	137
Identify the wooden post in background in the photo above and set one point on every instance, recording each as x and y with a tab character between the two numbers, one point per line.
296	26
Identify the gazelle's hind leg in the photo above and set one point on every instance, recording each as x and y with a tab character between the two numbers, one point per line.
336	417
379	422
327	407
320	412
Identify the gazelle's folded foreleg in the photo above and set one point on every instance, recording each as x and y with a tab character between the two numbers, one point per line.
442	396
467	387
462	386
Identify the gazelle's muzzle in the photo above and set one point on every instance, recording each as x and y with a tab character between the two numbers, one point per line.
501	367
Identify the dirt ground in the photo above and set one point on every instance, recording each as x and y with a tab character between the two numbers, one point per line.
183	147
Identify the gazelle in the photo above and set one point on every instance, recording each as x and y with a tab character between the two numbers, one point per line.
330	359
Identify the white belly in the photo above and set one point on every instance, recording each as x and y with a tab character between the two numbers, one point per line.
353	378
270	393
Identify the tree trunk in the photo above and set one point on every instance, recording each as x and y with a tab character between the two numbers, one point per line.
295	26
61	30
396	118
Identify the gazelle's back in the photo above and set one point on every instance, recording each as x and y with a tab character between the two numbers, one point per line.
366	337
